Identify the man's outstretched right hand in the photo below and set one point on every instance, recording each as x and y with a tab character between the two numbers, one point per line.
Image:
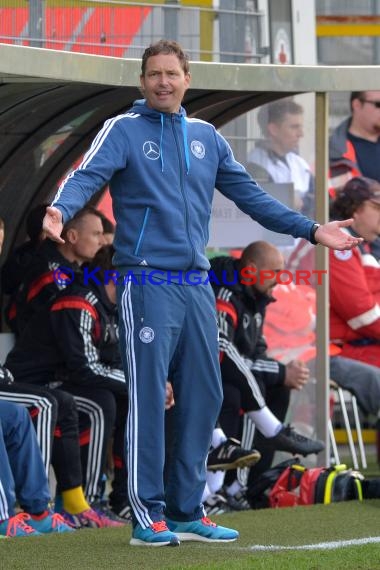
52	225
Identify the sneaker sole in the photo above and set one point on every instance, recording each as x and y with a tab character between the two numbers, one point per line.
246	461
188	536
138	542
303	453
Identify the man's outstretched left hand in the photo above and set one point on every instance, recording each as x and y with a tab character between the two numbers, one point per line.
331	235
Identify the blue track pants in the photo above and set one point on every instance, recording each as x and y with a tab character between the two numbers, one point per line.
22	472
169	332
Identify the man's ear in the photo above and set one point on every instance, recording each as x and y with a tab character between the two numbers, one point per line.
272	129
72	235
356	104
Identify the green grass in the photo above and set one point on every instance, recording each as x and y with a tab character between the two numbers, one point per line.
109	548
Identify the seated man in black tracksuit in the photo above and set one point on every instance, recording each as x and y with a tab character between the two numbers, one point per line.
35	275
55	415
247	372
73	344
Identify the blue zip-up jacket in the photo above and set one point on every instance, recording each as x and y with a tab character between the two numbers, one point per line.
162	170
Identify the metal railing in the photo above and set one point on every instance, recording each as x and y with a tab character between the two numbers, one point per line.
123	29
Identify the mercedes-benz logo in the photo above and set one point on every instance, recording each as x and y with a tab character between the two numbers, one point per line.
151	150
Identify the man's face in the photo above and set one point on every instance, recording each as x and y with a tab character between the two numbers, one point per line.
87	238
367	220
285	136
164	83
366	113
267	270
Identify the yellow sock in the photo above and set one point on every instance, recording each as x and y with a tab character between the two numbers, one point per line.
74	501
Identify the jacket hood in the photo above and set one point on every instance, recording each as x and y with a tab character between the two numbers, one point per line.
224	273
140	106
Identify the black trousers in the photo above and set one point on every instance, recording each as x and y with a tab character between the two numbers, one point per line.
62	429
233	407
102	417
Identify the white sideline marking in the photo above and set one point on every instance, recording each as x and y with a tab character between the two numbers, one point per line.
319	545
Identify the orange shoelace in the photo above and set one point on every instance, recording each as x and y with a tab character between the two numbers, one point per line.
56	520
18	521
159	526
206	521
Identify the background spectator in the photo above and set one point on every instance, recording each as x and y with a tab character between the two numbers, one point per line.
282	126
354	148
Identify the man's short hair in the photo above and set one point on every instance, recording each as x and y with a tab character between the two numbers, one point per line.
356	95
256	251
75	222
166	47
2	225
275	112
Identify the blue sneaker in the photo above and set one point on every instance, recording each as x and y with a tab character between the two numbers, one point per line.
203	530
49	522
18	526
157	534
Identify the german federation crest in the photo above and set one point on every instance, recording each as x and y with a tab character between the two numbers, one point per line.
146	335
198	149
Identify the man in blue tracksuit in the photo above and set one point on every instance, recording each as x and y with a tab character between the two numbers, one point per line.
162	168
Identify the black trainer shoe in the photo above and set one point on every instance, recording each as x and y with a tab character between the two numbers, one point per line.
216	505
293	442
229	455
122	512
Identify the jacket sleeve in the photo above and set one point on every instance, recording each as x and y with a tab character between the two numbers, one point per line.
270	371
40	288
232	363
107	154
73	321
350	296
235	183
